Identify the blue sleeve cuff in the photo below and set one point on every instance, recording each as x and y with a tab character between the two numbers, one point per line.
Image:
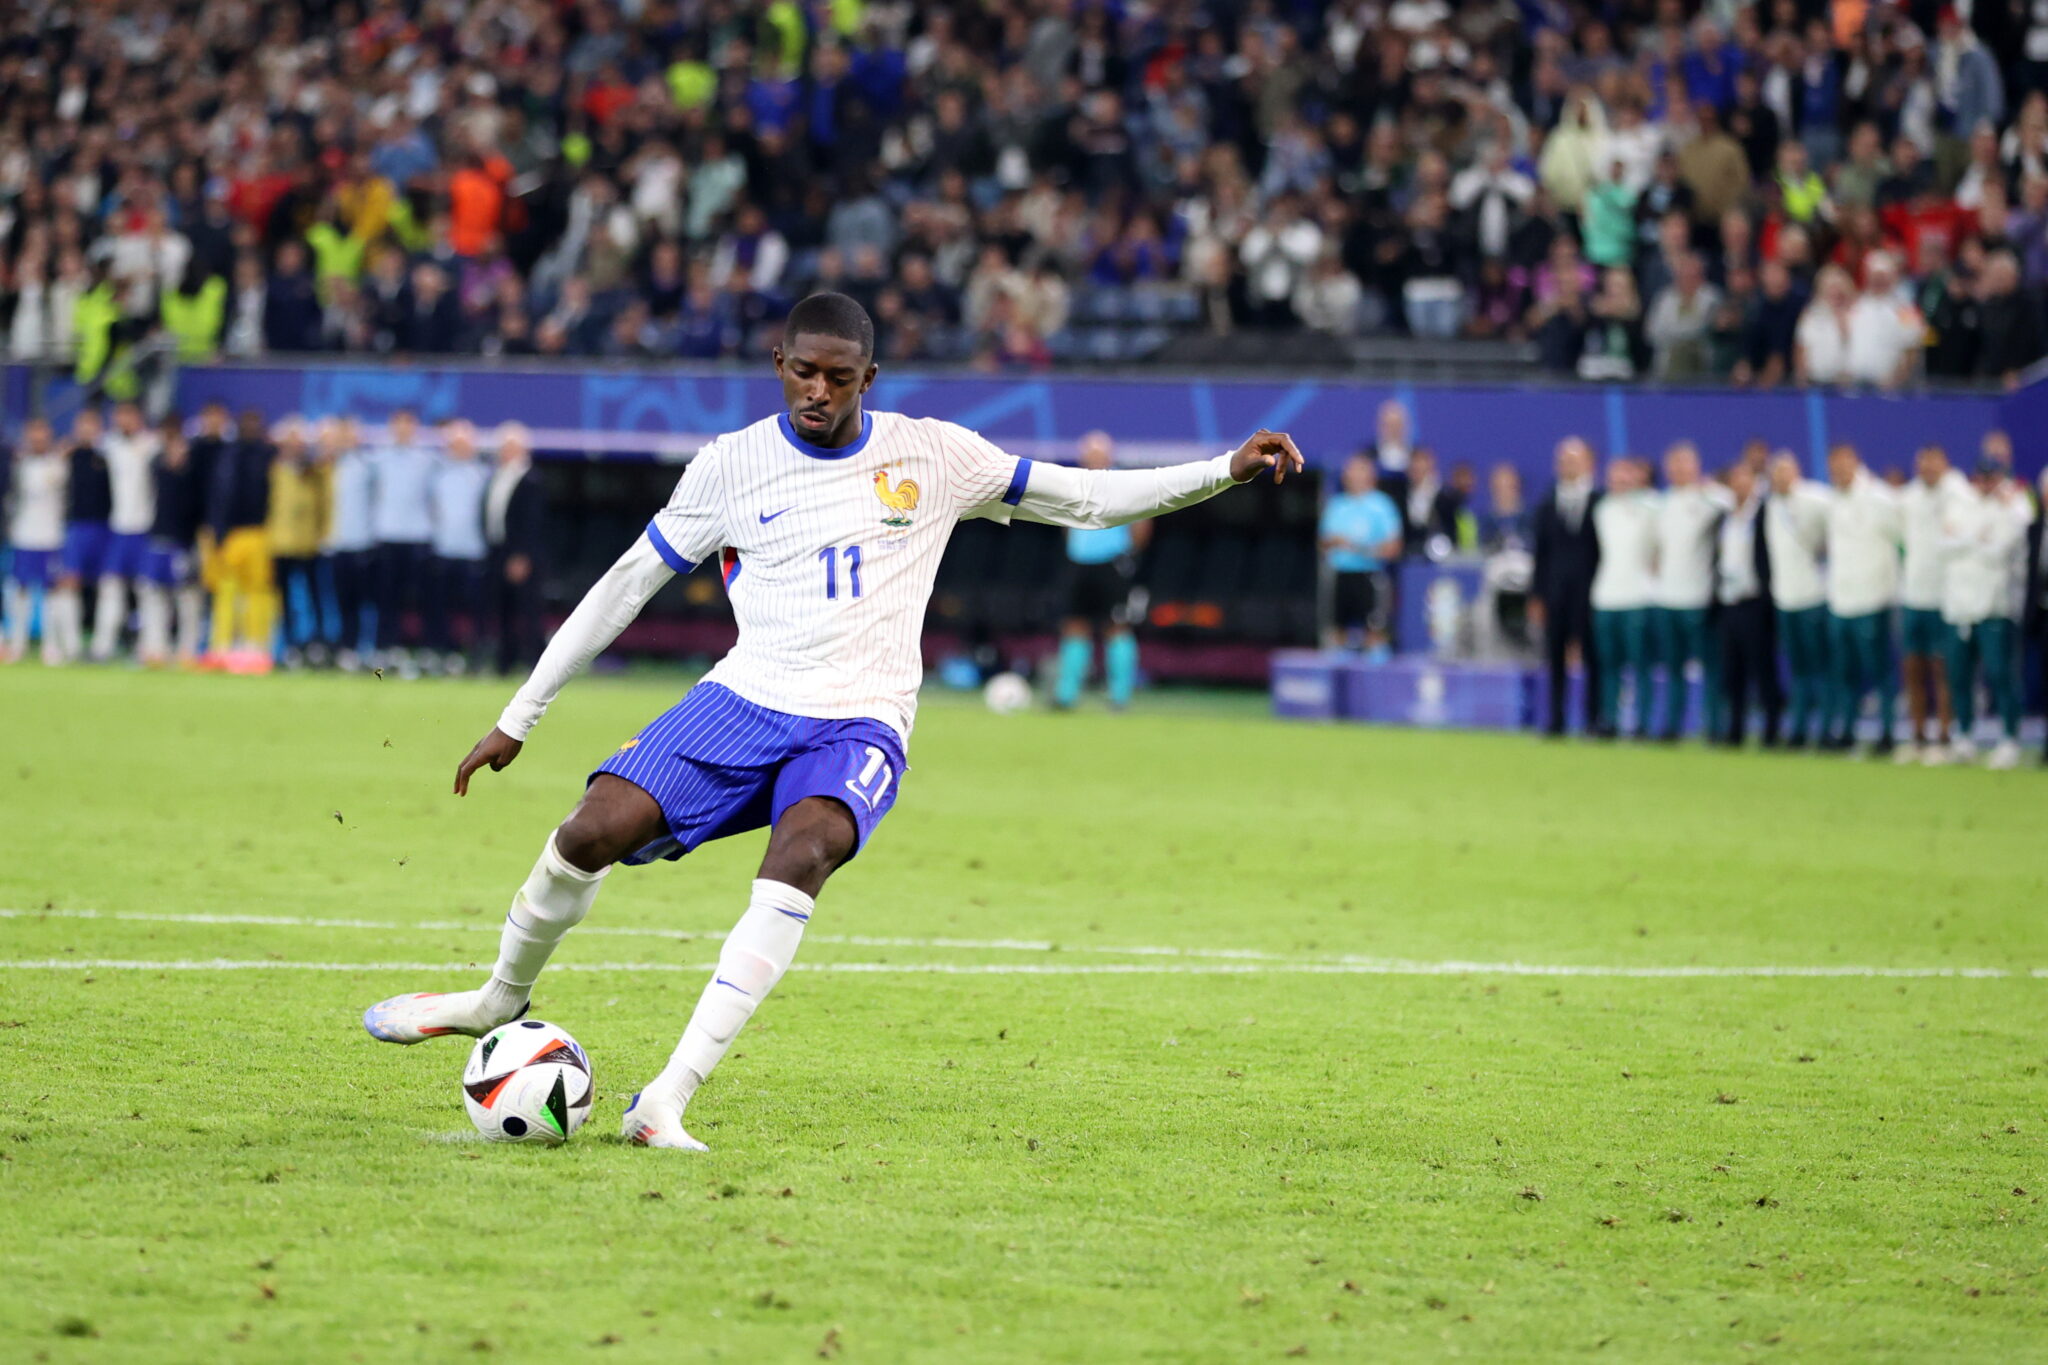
1014	494
667	551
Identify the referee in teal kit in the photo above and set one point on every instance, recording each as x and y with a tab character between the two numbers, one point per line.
1360	533
1101	585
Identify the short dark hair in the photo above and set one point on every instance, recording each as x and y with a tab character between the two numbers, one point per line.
832	315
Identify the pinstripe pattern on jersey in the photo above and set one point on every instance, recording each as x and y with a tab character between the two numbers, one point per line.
801	652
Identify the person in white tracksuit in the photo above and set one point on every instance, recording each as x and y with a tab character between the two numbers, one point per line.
1688	515
1795	532
1924	641
1624	590
1984	528
1864	533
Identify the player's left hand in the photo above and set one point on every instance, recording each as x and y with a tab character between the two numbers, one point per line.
1272	450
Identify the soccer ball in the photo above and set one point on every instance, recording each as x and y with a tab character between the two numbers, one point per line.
527	1082
1007	693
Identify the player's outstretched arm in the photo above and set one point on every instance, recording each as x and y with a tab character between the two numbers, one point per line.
1093	498
608	608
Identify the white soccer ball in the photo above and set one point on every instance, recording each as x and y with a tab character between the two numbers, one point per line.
1007	693
527	1082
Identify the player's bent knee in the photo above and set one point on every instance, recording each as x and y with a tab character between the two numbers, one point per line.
813	838
613	819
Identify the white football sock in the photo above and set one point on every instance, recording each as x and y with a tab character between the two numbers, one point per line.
756	954
153	633
20	606
109	616
554	900
191	622
62	626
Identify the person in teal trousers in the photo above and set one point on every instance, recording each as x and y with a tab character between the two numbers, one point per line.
1624	591
1865	534
1688	520
1795	533
1984	531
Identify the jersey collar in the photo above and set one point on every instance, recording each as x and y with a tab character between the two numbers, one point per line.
854	447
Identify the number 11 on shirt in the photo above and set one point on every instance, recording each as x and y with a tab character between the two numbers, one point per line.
830	554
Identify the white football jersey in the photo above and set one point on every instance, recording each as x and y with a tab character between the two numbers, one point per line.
39	486
131	474
829	555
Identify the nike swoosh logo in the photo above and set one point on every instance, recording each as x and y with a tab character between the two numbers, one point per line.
767	517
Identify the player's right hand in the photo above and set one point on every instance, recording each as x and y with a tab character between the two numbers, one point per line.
496	748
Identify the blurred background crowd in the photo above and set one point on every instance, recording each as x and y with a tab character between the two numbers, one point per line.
1778	192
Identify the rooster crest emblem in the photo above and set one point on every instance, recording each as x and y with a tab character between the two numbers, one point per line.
900	499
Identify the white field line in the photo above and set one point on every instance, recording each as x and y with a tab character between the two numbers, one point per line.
1237	961
1012	945
1388	967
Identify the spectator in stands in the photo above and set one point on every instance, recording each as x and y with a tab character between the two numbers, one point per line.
1610	218
2013	336
1624	591
301	514
1770	329
401	521
1713	164
1745	623
1612	346
515	529
1679	321
1984	533
244	579
1795	528
1688	515
1360	536
1567	555
1864	532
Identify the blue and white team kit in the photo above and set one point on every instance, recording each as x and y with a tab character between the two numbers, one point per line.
829	556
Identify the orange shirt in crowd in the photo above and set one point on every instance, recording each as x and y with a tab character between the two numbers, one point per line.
476	205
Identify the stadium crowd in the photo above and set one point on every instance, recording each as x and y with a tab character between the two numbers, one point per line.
1800	603
413	552
1776	192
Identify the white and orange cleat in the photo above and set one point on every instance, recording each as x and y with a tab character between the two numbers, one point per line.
430	1014
651	1123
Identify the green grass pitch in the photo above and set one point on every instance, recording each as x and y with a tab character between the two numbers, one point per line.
1337	1143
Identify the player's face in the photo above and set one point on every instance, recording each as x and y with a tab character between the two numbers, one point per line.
823	379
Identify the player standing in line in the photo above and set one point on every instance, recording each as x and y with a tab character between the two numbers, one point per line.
1688	515
1925	645
131	449
1863	580
1101	562
829	523
37	533
88	503
170	576
1624	586
1983	534
1795	531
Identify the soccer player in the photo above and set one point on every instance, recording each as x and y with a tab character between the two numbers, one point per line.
238	511
346	560
88	504
1983	531
1922	659
1688	514
36	531
1360	535
1624	587
1863	529
130	450
1795	531
828	522
1101	563
456	490
301	514
401	519
170	584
